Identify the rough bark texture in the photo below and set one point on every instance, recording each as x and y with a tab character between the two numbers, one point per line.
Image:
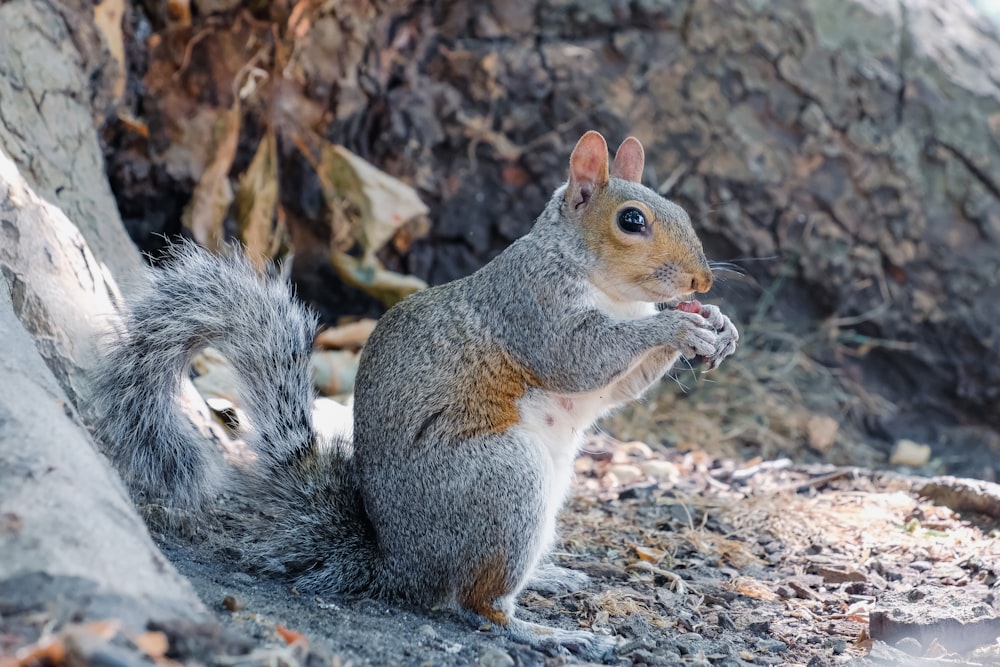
857	142
58	289
71	543
53	90
854	146
72	546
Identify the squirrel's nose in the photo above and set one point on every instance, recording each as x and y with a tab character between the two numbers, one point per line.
701	282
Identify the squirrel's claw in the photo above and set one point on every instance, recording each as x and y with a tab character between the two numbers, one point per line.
727	336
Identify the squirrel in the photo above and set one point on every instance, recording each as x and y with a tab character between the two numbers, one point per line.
471	401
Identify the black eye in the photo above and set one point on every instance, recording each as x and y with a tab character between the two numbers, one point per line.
632	221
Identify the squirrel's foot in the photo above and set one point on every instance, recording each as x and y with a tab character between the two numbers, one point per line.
554	580
499	617
587	645
726	332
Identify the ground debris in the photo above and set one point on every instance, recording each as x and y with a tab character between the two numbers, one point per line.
829	562
952	619
964	495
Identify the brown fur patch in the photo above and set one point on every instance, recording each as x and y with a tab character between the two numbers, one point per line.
488	389
489	583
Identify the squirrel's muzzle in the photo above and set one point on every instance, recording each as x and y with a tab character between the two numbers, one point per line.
701	281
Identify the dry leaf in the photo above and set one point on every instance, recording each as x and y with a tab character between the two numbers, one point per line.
46	651
290	636
382	203
864	640
213	194
180	12
416	228
654	556
351	335
334	371
133	124
67	647
256	201
108	20
153	644
753	589
822	432
386	286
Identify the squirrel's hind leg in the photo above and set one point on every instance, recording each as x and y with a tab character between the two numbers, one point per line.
587	645
554	580
488	599
499	614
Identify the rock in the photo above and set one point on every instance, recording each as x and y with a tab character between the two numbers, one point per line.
963	495
837	576
625	473
232	603
660	470
909	453
494	657
428	631
955	620
771	645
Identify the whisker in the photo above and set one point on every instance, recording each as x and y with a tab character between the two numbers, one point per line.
728	270
677	380
727	267
756	259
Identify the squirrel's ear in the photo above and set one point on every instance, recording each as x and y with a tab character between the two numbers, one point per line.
588	168
629	161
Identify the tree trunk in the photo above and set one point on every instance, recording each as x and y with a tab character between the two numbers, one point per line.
71	543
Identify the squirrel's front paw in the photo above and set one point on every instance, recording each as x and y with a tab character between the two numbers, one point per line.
726	332
695	335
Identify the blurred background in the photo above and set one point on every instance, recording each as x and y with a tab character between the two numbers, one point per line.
843	156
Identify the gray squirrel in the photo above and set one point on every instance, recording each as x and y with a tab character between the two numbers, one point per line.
471	401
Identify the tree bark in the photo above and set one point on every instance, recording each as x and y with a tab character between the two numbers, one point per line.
54	90
71	542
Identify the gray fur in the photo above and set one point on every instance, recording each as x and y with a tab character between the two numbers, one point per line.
309	523
419	504
195	301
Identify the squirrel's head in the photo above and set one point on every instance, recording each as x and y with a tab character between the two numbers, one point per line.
644	246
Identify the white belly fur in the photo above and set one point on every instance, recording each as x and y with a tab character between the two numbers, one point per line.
558	422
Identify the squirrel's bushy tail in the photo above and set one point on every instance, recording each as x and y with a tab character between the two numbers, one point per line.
310	524
199	300
305	516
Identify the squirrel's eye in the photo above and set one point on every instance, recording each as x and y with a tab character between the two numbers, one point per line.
632	221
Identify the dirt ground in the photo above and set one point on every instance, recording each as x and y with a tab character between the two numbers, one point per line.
694	560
